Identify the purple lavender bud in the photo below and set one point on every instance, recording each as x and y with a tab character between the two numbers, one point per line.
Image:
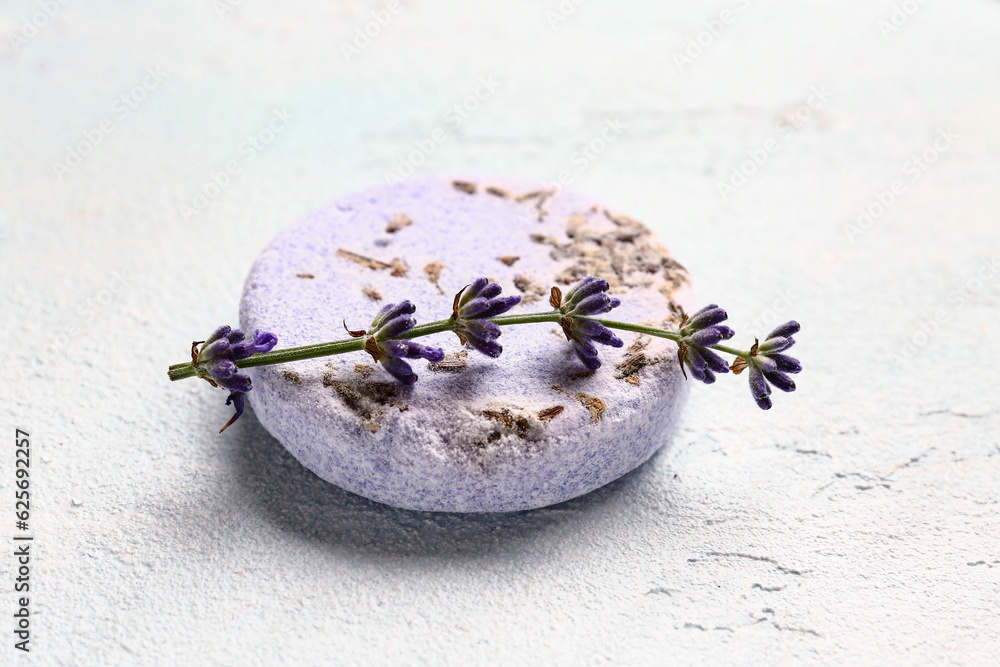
238	400
786	364
595	304
237	382
487	346
695	360
391	311
394	328
607	337
704	338
418	351
217	349
706	317
785	330
500	306
491	291
776	344
399	369
483	329
220	368
765	363
262	342
474	308
221	332
716	363
780	380
759	389
587	287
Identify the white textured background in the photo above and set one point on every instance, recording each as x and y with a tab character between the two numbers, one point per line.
856	521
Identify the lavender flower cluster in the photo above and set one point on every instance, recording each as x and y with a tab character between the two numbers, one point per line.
385	343
387	340
217	357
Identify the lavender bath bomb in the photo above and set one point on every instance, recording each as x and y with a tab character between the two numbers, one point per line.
531	428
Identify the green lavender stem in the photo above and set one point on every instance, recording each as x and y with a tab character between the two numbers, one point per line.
186	370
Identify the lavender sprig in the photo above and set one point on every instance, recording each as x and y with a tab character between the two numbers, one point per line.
478	312
584	300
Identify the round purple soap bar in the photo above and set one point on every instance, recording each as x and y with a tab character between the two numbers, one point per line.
531	428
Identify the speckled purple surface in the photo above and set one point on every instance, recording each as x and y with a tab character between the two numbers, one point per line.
483	434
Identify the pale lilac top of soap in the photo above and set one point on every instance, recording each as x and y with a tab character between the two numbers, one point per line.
474	434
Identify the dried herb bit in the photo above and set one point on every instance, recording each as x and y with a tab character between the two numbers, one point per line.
398	222
464	186
509	259
498	192
453	362
399	268
531	290
594	405
305	275
354	334
371	293
373	264
550	413
555	297
433	271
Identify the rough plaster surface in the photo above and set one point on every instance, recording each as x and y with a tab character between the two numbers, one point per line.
854	522
530	429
